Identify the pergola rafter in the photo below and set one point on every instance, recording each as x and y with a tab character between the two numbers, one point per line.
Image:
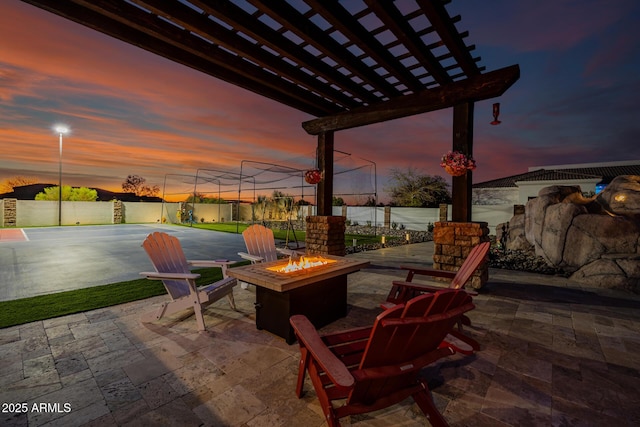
345	63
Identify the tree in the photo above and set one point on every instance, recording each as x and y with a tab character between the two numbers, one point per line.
9	184
371	201
337	201
53	193
135	184
282	203
81	194
410	188
262	204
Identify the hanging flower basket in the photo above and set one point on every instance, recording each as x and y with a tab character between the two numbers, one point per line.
457	164
455	172
313	176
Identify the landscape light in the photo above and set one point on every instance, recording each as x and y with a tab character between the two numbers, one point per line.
60	130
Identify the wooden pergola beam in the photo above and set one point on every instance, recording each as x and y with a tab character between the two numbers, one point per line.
477	88
324	195
238	18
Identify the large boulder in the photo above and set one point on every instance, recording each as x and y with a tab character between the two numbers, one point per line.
622	196
553	231
611	271
536	210
597	239
511	234
591	236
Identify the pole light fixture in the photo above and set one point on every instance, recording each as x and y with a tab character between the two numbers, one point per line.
60	130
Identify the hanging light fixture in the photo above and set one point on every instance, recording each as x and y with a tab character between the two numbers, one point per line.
496	113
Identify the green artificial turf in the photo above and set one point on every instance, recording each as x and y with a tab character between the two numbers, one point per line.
20	311
278	234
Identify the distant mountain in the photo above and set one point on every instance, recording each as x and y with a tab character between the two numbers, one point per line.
28	192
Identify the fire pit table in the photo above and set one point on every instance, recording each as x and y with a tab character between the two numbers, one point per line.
318	291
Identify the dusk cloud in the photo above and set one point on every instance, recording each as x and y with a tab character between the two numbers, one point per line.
132	112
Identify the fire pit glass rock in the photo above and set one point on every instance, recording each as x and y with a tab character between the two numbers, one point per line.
304	263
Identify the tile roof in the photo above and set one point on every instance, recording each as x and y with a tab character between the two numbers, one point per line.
605	173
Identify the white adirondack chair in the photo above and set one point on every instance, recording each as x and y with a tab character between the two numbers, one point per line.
261	246
173	269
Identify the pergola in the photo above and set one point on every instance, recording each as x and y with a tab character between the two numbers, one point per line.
349	63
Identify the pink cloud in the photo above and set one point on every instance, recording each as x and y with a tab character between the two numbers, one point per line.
132	112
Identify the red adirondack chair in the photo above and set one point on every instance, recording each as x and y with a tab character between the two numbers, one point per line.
379	366
402	291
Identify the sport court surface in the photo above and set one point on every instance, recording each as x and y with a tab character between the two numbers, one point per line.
37	261
12	235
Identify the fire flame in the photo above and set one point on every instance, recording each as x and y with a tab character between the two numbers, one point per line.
302	264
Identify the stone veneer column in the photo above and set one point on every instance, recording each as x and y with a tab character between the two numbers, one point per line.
387	217
452	243
9	215
118	208
443	212
325	235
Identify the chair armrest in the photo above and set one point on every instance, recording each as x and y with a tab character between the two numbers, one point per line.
154	275
429	272
210	263
249	257
309	338
425	288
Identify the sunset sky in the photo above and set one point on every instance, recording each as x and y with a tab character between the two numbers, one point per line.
131	112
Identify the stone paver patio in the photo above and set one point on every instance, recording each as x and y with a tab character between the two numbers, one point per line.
553	353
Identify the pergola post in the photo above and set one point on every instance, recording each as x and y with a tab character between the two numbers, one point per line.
462	142
324	192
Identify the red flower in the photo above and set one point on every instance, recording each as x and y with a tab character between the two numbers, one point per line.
456	163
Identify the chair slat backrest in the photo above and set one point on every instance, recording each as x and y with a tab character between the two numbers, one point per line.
404	333
476	257
260	242
167	256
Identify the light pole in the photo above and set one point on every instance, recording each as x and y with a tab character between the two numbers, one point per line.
61	130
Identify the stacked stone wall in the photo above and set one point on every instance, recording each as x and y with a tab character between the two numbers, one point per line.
325	235
452	243
9	215
118	212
